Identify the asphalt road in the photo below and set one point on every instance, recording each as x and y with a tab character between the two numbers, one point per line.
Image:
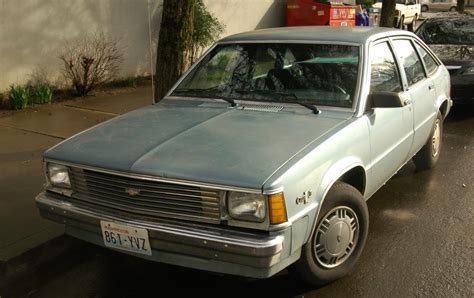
420	243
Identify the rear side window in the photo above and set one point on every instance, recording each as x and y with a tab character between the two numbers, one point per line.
430	63
384	75
410	61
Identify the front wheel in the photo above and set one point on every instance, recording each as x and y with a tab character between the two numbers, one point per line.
424	8
427	157
401	24
412	25
452	8
338	238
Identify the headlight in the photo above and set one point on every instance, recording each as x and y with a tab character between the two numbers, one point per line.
246	206
58	175
468	71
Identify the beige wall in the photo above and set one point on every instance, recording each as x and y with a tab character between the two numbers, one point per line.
32	32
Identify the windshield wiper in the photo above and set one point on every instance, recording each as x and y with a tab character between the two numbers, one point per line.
201	92
308	105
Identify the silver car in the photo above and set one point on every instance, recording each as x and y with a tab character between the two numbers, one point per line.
438	5
260	157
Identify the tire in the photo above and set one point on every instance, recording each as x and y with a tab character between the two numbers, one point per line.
428	155
452	8
412	25
344	209
401	22
424	8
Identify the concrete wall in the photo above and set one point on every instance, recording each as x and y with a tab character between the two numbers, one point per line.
33	32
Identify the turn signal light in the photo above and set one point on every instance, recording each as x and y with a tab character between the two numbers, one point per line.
277	208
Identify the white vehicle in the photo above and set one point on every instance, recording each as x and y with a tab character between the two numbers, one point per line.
406	13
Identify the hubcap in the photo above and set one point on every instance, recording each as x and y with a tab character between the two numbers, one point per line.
336	237
436	140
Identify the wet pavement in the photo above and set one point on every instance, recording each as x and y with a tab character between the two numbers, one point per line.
24	136
420	243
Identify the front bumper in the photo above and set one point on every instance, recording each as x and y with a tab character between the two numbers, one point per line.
210	248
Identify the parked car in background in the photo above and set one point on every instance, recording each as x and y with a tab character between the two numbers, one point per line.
452	39
407	13
438	5
261	156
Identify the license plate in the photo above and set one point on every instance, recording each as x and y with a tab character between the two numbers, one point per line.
125	238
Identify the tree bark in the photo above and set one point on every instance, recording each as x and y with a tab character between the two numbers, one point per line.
174	37
388	11
460	6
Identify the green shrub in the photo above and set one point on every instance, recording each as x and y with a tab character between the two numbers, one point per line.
42	93
19	97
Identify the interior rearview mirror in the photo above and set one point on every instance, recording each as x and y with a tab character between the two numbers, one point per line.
384	99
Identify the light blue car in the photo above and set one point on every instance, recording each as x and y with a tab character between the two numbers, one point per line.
260	157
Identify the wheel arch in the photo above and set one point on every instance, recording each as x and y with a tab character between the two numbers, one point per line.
353	174
443	106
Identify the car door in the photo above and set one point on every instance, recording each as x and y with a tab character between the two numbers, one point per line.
391	129
421	90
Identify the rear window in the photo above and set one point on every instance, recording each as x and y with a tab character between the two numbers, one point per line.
454	31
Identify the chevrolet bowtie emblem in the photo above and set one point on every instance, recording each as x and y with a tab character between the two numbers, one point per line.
132	191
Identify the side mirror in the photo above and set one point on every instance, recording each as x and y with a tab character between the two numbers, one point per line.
384	99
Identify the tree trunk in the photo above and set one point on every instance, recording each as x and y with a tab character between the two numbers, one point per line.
174	38
460	6
388	11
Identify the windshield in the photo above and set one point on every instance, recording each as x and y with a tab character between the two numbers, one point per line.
458	31
319	74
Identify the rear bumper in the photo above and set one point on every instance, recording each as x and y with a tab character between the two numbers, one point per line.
210	248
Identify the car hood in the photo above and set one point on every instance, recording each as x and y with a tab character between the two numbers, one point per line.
454	54
213	145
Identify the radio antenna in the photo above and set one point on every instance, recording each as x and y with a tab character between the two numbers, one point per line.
151	54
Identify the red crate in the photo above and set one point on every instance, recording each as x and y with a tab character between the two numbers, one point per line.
314	13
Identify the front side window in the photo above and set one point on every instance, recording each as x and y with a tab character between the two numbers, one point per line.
410	61
430	63
384	75
319	74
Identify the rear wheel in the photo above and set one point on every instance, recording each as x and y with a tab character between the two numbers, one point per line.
453	8
427	157
424	8
338	238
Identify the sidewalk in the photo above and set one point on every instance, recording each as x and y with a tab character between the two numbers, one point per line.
24	136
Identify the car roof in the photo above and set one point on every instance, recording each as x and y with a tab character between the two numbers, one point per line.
349	34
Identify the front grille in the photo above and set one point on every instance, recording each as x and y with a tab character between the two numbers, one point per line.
140	197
